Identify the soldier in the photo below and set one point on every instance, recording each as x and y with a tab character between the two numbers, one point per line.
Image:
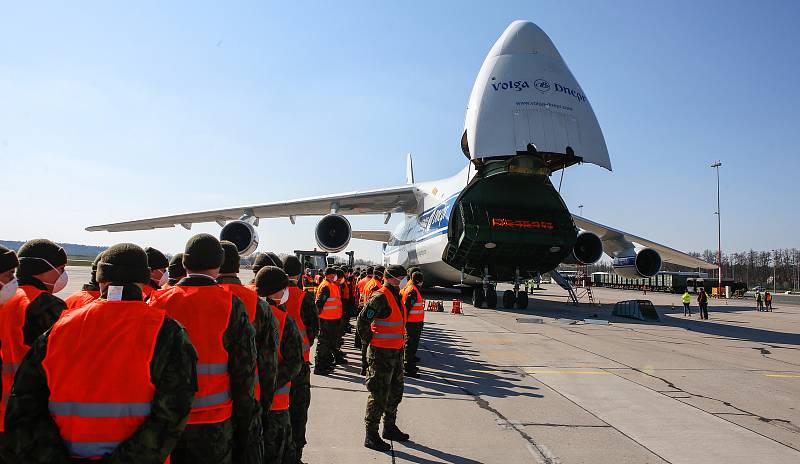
131	355
175	270
338	355
272	285
414	306
8	283
262	319
300	307
89	292
369	288
329	304
158	271
31	311
225	422
382	328
261	260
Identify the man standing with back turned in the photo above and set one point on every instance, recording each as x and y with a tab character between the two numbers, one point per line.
225	422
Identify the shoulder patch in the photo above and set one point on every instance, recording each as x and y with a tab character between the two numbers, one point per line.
370	313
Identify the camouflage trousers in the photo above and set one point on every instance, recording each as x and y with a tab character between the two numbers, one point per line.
205	443
278	445
299	401
384	383
414	332
327	342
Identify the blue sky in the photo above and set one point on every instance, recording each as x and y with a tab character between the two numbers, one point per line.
112	112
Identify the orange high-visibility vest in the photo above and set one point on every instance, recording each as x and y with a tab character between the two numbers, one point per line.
370	287
333	305
205	312
360	289
417	312
391	331
81	298
345	286
148	291
107	345
250	300
280	402
293	306
12	319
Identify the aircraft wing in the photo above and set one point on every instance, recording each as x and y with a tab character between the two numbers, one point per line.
616	240
389	200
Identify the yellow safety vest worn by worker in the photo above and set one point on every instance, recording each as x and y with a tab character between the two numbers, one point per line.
686	298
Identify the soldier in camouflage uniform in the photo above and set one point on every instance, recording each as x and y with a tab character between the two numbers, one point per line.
31	428
262	319
239	438
382	328
272	285
300	395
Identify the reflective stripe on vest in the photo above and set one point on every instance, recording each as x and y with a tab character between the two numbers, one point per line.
389	332
333	305
250	299
12	341
417	312
205	312
293	306
280	401
94	421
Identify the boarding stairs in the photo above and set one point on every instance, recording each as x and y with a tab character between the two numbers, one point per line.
565	284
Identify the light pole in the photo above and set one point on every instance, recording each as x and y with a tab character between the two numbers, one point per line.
719	234
774	271
580	209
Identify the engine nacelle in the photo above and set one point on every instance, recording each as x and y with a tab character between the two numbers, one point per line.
242	234
588	249
333	233
645	263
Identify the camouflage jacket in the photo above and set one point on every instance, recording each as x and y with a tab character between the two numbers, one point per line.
266	326
33	433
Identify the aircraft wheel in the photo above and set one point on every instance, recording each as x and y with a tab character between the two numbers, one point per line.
478	297
522	300
509	299
491	298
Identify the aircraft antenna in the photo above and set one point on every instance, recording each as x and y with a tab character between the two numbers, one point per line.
561	180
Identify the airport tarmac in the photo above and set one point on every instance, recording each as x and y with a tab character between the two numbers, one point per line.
542	385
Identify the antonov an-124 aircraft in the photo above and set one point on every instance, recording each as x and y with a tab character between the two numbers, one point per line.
498	220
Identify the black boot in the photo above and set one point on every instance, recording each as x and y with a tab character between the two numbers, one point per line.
357	343
341	360
391	432
373	441
322	370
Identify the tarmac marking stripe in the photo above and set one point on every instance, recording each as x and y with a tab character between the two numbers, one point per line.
784	376
568	372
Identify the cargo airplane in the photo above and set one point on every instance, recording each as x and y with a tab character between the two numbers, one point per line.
498	220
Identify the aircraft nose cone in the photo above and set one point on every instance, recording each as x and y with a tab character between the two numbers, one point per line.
523	37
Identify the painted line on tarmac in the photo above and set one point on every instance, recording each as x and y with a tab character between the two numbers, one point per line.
536	371
783	376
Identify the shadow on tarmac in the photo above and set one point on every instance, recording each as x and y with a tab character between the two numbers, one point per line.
442	455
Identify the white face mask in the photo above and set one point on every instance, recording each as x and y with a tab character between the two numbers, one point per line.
403	282
164	278
8	290
62	280
284	296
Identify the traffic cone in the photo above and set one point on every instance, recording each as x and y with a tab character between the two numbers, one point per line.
456	307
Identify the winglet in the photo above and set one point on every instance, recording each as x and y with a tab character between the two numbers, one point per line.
409	169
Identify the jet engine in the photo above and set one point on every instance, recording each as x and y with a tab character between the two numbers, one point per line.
644	263
243	234
333	233
588	249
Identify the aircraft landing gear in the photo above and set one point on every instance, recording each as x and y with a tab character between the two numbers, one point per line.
478	297
491	296
509	299
522	299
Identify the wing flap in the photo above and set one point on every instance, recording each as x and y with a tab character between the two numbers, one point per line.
374	235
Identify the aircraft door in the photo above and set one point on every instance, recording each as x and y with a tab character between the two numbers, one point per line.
549	131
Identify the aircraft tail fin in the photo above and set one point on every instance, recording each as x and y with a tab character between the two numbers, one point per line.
409	169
